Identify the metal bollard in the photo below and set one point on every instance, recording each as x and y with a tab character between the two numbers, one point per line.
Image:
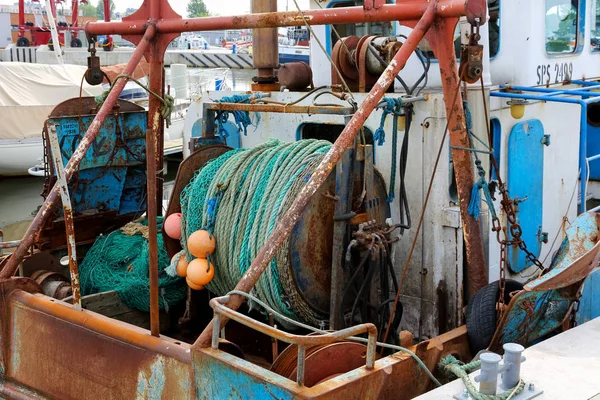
488	378
511	374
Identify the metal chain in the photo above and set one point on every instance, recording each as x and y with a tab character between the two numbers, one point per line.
508	205
574	311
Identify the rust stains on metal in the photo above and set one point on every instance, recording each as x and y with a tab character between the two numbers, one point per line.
279	108
439	38
404	11
154	136
68	214
47	207
345	140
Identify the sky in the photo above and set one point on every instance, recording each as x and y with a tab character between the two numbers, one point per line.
221	7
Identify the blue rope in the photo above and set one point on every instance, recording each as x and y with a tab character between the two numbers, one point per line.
481	184
379	135
475	202
394	107
242	118
211	210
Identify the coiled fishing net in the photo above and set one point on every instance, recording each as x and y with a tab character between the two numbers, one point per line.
119	261
239	197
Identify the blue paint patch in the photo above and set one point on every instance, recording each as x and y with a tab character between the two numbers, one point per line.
152	387
593	148
288	58
232	136
111	176
589	307
526	182
536	314
234	378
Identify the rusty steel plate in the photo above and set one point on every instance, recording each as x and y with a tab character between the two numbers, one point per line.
321	362
311	242
185	172
88	106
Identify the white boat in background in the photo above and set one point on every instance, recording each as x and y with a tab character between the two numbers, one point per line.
28	93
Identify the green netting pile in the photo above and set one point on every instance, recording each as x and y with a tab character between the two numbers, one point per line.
239	197
119	261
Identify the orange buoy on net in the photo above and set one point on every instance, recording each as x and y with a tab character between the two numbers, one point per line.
181	266
193	286
173	226
200	272
200	243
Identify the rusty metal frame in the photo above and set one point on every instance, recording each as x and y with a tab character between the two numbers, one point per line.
218	304
155	24
68	214
280	108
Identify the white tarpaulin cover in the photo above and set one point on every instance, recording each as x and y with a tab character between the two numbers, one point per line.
29	92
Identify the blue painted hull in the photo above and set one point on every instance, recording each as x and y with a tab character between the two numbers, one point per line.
287	58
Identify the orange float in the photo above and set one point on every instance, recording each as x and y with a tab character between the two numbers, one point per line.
200	243
200	271
192	285
182	265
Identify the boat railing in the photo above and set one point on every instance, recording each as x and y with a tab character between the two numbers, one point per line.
584	95
303	342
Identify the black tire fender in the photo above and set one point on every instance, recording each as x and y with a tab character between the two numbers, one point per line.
481	313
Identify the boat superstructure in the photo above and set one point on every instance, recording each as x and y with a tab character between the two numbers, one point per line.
389	214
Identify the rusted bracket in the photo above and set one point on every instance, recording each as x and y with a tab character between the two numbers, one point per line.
61	181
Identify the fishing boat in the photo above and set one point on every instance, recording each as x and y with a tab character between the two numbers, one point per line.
392	224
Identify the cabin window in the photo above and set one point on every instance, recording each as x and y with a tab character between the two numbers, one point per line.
360	29
595	27
561	26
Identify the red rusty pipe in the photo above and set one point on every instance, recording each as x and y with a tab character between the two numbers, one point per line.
154	157
288	221
154	160
74	12
404	11
106	5
46	209
21	15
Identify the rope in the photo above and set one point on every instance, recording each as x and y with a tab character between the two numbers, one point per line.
242	118
167	103
481	184
452	367
238	197
391	106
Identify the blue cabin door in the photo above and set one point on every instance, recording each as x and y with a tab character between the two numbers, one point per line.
525	183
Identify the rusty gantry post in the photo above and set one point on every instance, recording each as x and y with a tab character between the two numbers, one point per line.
441	39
